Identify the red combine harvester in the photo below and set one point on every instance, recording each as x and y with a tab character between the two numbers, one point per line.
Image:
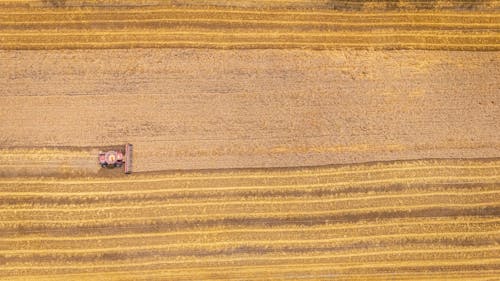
117	158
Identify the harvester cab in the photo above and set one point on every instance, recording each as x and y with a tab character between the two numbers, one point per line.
117	158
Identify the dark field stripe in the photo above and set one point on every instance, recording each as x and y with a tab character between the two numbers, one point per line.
163	226
318	29
178	271
244	194
470	241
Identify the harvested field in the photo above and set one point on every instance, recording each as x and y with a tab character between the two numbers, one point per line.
47	162
340	5
162	26
415	220
193	109
329	101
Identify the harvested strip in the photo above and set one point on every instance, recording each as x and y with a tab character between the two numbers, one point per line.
244	28
365	5
443	240
368	258
411	217
240	207
235	271
270	201
424	167
47	162
340	231
439	179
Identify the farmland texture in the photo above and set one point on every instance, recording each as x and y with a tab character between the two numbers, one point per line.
314	26
47	162
192	109
273	140
408	220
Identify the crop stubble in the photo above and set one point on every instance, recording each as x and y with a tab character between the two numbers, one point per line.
189	109
192	108
47	162
243	28
340	5
418	219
